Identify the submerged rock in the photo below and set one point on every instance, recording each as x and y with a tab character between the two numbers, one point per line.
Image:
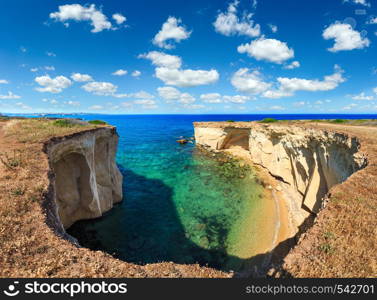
182	141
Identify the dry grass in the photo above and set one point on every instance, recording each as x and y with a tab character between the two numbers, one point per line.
30	248
39	130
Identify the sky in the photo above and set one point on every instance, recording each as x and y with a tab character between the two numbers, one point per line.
194	57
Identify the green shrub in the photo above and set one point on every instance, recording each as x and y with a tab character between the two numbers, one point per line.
231	121
268	120
4	118
326	248
97	122
63	123
338	121
18	191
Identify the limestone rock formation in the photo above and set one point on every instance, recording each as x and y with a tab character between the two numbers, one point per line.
87	181
308	162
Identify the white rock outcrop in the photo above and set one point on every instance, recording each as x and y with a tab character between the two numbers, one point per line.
308	162
87	181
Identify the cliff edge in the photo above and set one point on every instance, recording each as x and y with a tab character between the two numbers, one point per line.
52	174
309	163
86	179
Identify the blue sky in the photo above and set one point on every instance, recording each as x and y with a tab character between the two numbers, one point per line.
263	56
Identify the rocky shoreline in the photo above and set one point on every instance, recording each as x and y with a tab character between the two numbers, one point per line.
306	163
33	241
339	242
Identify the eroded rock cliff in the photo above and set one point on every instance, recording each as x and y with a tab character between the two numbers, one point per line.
33	242
86	179
307	162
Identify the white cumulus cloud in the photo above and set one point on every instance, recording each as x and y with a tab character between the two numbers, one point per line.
168	93
273	28
345	37
136	73
217	98
141	95
193	106
10	95
288	86
78	77
72	103
168	70
236	99
249	81
228	23
171	30
292	65
23	106
299	104
267	49
172	94
119	18
147	103
161	59
362	96
3	81
78	12
361	2
52	85
211	98
100	88
186	78
119	72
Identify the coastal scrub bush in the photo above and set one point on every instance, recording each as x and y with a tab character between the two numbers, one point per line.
338	121
268	120
11	161
18	191
37	130
97	122
64	123
326	248
4	118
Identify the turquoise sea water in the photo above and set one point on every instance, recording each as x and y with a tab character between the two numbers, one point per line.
179	204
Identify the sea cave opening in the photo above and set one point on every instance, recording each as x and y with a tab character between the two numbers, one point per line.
237	137
73	190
